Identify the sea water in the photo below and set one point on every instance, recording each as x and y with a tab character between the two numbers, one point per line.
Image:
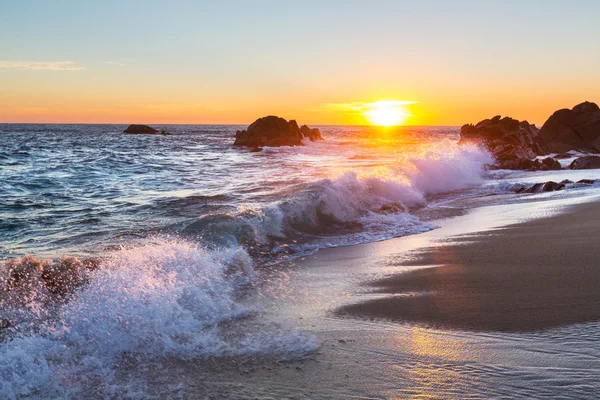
181	224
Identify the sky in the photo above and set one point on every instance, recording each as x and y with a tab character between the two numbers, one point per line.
229	61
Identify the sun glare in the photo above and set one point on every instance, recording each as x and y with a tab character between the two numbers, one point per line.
386	113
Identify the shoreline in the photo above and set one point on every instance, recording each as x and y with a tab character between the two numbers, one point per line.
527	276
373	357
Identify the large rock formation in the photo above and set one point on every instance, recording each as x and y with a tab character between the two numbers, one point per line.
275	131
514	144
140	130
576	129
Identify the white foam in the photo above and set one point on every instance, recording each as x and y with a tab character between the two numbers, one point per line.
329	204
162	299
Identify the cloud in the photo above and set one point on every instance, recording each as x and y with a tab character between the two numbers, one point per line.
115	63
41	66
360	106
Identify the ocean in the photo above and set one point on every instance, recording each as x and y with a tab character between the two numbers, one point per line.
185	225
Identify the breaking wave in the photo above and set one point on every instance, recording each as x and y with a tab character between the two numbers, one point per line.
355	208
141	304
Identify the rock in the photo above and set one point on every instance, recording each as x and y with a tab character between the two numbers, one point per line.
551	164
392	208
576	129
140	130
518	188
586	162
5	324
64	275
312	134
549	186
27	274
512	143
256	149
587	181
23	274
275	131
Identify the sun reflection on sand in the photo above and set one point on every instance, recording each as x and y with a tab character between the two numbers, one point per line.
437	351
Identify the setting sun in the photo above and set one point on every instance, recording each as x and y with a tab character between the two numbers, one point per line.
386	113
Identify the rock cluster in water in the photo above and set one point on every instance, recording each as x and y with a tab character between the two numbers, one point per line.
552	186
517	144
513	143
275	131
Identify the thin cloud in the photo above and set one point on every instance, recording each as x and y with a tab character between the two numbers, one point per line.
41	66
120	64
362	106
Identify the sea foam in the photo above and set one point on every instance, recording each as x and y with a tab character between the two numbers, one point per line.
166	299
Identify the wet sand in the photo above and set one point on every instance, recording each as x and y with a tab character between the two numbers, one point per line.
532	276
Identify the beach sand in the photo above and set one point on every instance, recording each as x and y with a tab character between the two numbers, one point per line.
536	275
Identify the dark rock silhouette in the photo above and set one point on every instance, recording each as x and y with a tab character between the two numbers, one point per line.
514	144
549	163
586	162
275	131
587	181
140	130
549	186
576	129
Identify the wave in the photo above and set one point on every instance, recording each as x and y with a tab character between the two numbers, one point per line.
165	299
356	207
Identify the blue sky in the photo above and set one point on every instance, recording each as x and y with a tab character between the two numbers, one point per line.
239	58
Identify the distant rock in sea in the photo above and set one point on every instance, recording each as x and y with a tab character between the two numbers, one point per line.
275	131
514	144
576	129
140	130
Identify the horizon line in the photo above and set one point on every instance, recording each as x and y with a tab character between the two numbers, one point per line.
206	123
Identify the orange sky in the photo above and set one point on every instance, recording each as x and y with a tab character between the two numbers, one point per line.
92	62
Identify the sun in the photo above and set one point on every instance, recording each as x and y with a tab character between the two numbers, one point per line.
386	113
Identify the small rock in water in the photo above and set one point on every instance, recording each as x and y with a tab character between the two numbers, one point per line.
586	162
392	208
4	324
587	181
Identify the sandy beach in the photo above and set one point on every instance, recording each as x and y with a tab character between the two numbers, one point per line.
523	277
